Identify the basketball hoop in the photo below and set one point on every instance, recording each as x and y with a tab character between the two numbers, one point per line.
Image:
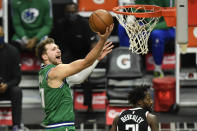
139	21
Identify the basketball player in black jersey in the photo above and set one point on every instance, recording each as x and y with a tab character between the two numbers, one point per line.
139	117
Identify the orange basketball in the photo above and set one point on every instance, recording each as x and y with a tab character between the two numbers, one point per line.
99	20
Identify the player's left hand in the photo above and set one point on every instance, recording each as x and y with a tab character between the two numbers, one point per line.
106	50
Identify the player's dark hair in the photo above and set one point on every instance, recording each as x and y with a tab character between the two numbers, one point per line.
138	93
40	49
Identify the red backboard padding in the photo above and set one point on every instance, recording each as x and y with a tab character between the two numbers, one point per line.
192	8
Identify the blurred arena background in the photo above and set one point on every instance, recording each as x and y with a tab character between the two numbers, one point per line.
109	93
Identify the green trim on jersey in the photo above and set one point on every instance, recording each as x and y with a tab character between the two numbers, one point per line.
63	128
56	102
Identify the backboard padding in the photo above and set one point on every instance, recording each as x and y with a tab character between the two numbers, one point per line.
192	8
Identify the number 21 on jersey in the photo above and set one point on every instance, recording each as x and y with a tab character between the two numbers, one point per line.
133	127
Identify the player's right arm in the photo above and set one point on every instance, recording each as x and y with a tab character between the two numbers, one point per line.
81	76
64	70
152	121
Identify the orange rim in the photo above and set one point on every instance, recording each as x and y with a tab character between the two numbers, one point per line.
169	13
158	11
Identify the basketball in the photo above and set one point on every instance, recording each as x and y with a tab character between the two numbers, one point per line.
99	20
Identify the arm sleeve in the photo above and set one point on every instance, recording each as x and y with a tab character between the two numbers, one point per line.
15	72
81	76
48	20
19	30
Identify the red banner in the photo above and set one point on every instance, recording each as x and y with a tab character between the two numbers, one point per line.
192	19
98	101
5	116
91	5
192	37
112	112
29	62
169	62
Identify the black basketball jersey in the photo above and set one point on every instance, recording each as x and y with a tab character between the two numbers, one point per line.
133	120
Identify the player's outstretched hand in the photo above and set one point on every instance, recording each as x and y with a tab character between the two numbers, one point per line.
106	50
108	31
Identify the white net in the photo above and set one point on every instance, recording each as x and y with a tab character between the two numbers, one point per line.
138	29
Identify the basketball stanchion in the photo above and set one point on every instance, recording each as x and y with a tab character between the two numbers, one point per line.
139	21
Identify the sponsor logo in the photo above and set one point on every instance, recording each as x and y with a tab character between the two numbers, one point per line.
123	61
97	99
168	62
195	32
27	61
99	1
113	113
30	15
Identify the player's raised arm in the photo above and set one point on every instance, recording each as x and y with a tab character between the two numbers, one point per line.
64	70
81	76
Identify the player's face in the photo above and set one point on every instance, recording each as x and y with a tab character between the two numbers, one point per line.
53	54
148	102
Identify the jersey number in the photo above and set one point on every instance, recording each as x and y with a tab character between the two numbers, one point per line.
133	127
42	97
